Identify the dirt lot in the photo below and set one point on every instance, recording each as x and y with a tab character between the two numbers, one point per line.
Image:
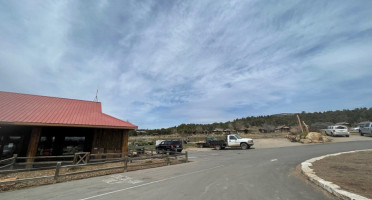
352	171
262	143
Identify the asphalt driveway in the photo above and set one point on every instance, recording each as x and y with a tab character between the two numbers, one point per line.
227	174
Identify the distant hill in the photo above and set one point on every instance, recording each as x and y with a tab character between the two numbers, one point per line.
285	114
315	119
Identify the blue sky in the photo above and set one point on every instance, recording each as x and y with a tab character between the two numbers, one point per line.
163	63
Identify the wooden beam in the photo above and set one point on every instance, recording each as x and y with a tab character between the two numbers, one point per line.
94	142
125	142
306	127
299	123
33	144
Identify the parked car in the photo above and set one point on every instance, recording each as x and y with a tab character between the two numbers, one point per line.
337	130
232	141
366	129
157	142
8	151
169	146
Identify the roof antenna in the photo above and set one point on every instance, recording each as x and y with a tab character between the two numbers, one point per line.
96	98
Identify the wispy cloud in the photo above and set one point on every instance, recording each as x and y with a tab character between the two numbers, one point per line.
162	63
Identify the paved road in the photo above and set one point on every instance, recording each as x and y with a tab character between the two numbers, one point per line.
226	174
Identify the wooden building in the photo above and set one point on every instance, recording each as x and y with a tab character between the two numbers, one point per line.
32	125
282	129
362	123
242	130
263	130
218	130
229	131
343	123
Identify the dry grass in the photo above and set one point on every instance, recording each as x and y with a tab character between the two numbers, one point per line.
352	171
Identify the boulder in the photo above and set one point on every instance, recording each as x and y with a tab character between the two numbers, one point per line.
292	138
325	139
314	136
305	141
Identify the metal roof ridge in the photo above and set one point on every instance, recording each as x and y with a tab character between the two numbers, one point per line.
36	95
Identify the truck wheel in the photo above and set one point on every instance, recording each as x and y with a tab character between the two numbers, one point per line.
217	147
360	132
244	146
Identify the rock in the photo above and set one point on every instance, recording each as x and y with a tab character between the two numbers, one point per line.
292	138
306	141
314	136
326	139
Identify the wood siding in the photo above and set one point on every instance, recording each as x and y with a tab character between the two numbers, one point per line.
107	141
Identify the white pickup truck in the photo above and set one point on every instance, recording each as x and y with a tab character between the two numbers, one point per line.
366	129
232	141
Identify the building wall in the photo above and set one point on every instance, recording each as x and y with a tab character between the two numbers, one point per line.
56	141
107	141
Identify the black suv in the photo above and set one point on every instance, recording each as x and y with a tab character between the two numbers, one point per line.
170	146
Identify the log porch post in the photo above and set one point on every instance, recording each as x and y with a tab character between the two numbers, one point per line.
34	142
125	143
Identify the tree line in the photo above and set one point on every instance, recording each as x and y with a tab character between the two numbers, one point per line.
316	120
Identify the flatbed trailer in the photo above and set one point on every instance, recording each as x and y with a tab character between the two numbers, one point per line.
232	141
207	143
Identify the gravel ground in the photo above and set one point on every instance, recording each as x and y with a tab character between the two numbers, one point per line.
284	142
260	144
352	171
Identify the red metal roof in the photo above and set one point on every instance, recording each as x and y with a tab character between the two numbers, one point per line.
25	109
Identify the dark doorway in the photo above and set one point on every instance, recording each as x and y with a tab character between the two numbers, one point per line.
57	141
13	140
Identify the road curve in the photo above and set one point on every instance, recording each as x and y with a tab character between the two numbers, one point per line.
226	174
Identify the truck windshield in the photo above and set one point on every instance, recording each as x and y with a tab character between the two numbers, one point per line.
238	136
